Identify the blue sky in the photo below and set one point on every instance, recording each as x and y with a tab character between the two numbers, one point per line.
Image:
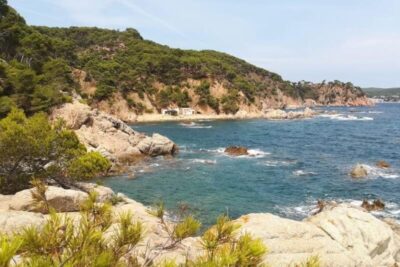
349	40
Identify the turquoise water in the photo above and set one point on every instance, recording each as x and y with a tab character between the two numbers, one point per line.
293	164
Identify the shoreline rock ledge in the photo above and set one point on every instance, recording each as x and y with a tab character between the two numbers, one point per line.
340	235
110	136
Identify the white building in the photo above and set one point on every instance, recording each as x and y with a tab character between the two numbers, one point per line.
178	111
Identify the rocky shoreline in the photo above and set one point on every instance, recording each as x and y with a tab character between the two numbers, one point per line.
340	234
110	136
270	114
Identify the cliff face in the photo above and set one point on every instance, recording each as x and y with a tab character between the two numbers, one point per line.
303	95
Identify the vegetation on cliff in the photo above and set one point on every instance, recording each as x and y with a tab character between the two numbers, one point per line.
37	66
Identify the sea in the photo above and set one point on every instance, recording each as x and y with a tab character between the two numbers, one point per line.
291	164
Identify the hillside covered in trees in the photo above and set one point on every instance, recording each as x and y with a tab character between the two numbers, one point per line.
41	67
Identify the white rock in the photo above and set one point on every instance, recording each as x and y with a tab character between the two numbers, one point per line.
104	193
14	221
363	235
62	200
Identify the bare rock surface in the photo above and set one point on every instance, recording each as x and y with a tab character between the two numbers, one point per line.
110	136
359	171
236	151
279	114
361	234
62	200
340	235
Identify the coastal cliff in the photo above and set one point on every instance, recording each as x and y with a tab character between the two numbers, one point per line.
121	73
340	235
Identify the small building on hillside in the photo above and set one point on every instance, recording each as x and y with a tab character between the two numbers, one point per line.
178	111
170	111
187	111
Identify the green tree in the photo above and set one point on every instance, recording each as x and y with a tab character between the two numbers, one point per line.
32	148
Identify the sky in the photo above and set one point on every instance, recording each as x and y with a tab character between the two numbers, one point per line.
313	40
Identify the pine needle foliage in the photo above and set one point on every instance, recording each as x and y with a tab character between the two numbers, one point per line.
63	241
224	248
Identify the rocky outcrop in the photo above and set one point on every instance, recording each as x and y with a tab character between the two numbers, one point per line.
110	136
62	200
377	204
14	221
371	241
359	171
340	235
103	193
236	151
278	114
382	164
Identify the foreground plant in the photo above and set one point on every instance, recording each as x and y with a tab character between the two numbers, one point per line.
185	226
61	241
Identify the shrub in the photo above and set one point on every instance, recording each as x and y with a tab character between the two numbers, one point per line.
32	148
89	165
63	242
203	90
230	102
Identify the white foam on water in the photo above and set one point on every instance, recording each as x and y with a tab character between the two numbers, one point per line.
275	163
392	210
205	161
252	153
344	117
303	173
258	153
375	172
193	125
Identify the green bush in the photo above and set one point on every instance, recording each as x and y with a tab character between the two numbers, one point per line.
89	165
230	102
203	91
32	148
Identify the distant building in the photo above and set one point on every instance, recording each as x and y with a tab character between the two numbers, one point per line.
187	111
178	111
170	111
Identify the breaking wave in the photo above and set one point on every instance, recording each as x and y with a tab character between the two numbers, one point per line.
344	117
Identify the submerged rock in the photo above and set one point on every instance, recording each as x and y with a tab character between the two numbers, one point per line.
236	151
382	164
374	206
359	171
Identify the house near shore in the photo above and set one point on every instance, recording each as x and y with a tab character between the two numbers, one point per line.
178	111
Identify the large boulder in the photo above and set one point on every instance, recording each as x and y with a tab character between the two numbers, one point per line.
292	242
110	136
62	200
14	221
157	145
361	234
359	171
340	235
236	151
383	164
103	193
